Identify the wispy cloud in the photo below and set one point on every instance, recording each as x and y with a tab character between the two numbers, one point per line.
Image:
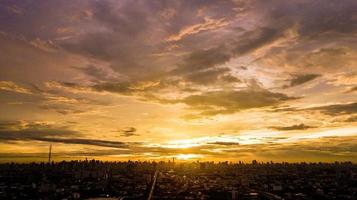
128	131
42	132
208	24
293	127
13	87
337	109
301	79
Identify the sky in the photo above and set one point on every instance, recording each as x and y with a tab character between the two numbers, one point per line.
207	80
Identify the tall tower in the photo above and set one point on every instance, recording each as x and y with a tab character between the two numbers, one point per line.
50	154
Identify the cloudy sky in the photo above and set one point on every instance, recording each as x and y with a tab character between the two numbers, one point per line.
195	80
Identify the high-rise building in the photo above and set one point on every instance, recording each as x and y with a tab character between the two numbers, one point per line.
234	195
49	154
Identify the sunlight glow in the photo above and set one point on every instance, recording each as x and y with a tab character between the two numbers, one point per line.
188	156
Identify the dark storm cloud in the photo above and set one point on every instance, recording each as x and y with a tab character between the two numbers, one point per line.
128	132
301	79
291	128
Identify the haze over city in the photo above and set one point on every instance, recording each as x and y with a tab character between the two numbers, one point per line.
240	80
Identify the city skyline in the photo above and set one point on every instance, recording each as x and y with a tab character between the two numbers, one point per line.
265	80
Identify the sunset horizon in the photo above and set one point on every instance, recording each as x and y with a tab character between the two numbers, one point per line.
264	80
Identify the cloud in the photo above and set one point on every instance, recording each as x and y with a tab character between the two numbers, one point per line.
125	88
332	109
16	10
203	59
220	143
124	36
13	87
61	97
100	73
291	128
83	141
301	79
205	65
79	53
353	89
209	58
337	109
225	102
210	76
118	87
17	130
43	132
208	24
9	124
256	39
326	149
317	39
351	119
62	108
47	46
230	79
347	78
128	132
313	17
34	65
